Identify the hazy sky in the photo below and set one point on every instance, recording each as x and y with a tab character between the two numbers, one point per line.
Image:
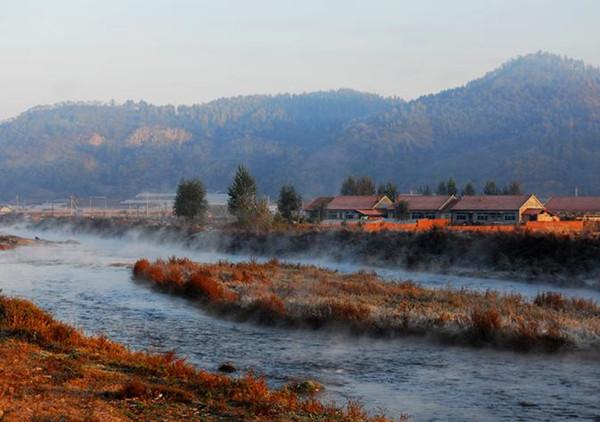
191	51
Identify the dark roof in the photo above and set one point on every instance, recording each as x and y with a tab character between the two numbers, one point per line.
574	204
354	202
318	203
490	202
426	202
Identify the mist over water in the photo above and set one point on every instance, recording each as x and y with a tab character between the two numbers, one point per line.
89	285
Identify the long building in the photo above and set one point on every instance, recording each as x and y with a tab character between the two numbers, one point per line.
496	209
428	206
575	207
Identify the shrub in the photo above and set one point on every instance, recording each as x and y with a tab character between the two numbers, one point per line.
133	388
346	311
141	267
205	285
485	323
550	300
271	304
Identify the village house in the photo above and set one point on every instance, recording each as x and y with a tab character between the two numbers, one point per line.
358	207
316	210
350	207
575	207
426	206
497	209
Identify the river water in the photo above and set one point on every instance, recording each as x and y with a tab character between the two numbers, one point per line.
88	285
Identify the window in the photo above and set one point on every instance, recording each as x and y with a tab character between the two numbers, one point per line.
510	217
482	217
461	217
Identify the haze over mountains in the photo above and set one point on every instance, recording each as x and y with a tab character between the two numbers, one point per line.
535	119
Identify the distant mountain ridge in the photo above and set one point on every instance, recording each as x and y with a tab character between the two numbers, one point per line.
535	119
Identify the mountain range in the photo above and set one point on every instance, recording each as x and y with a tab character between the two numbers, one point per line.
535	119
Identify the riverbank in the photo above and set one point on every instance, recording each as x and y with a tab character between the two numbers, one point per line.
50	371
361	303
562	260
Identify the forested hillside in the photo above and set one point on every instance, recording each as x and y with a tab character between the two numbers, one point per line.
536	119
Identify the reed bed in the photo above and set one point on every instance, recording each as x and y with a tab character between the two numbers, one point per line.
307	296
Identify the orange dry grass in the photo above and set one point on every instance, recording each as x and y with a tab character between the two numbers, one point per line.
297	295
8	242
50	371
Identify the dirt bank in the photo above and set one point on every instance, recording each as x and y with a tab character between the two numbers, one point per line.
51	372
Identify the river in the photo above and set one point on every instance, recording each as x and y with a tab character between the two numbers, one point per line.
89	285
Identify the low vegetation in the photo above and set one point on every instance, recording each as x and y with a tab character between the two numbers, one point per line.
8	242
566	260
307	296
50	371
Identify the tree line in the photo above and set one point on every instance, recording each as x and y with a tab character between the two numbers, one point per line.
364	185
490	188
243	203
252	211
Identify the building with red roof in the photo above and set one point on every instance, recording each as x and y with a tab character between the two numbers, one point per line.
316	210
348	207
427	206
575	207
496	209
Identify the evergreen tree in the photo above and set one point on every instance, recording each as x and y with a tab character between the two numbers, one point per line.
442	189
242	195
451	188
389	189
365	186
468	190
190	201
289	202
349	186
514	188
491	188
360	186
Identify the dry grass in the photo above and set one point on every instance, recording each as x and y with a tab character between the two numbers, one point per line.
50	371
309	296
8	242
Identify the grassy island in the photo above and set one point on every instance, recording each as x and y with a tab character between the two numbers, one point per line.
307	296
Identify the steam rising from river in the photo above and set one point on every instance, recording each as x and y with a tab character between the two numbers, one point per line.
209	246
88	284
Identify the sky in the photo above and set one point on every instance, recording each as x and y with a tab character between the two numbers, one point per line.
193	51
